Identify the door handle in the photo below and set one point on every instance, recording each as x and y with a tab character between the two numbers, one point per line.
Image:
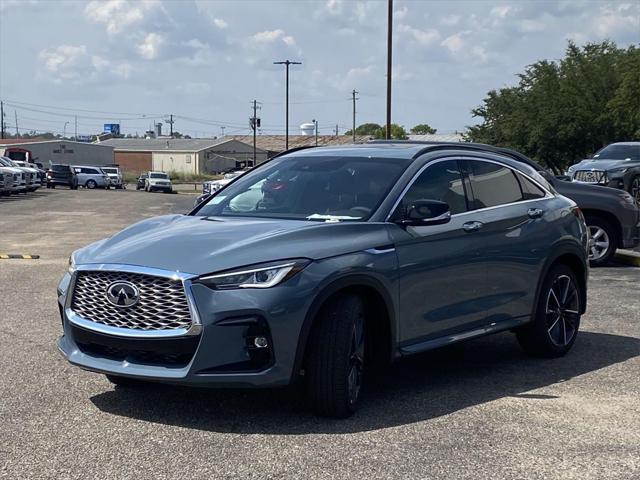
535	212
472	226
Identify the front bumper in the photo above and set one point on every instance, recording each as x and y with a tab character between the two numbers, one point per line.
220	354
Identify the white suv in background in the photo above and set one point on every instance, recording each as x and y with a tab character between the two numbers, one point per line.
158	181
22	179
115	175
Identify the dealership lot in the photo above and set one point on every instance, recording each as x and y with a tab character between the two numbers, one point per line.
477	410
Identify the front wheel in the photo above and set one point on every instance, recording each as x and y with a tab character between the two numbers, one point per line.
335	364
602	240
91	184
634	188
557	319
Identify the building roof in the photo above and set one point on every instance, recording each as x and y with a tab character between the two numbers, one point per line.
6	142
276	143
164	144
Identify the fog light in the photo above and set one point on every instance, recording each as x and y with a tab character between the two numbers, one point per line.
261	342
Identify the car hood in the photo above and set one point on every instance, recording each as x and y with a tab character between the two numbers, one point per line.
200	245
602	164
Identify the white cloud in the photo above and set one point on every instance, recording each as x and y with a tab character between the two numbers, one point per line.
454	43
220	23
530	26
119	15
401	13
270	36
150	46
423	37
450	20
334	7
352	77
500	11
74	64
621	18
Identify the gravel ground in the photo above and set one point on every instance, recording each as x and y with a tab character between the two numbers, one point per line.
475	410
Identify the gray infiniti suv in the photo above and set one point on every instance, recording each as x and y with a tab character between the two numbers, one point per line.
319	264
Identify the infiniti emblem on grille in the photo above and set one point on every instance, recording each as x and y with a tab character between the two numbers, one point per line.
123	294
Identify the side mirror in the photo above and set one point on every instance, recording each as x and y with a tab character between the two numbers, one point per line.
426	212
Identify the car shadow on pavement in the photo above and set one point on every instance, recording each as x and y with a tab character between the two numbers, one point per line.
416	389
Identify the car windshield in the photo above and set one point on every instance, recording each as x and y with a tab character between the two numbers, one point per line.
158	175
618	152
309	187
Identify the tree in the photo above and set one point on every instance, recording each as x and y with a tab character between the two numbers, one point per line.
559	112
377	131
423	129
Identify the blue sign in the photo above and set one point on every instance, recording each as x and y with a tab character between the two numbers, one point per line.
112	128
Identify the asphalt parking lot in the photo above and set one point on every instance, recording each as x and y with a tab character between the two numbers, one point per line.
481	409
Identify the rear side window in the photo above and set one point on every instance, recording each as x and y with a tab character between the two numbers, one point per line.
441	181
493	185
530	191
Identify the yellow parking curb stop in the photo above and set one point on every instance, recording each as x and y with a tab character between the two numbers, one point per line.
12	256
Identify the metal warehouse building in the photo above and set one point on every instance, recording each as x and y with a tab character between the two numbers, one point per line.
189	156
57	151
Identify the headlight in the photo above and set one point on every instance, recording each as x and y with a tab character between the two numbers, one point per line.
618	171
263	276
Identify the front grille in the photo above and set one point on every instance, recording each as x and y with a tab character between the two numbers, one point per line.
162	304
590	176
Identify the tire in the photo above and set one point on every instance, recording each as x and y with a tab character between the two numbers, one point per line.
603	240
126	381
335	362
74	187
634	188
555	325
91	184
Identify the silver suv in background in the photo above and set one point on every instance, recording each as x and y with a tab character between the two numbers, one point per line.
115	175
158	181
91	177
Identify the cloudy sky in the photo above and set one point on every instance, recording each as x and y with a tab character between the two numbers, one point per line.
136	61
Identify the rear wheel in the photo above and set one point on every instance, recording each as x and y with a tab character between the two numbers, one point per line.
91	184
557	319
335	364
126	381
602	240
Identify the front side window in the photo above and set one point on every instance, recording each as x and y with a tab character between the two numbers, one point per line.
331	188
441	181
493	185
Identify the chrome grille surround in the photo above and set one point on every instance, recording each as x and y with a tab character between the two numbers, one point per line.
166	307
590	176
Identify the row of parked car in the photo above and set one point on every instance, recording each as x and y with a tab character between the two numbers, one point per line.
74	176
19	177
612	214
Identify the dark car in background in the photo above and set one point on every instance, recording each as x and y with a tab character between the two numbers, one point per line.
142	181
319	264
612	216
616	165
62	175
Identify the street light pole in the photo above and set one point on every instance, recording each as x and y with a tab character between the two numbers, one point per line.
316	124
64	129
286	63
389	50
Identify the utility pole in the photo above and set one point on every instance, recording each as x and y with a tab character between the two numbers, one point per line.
1	119
389	50
254	122
170	122
287	63
222	128
16	116
336	130
315	122
353	99
75	137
